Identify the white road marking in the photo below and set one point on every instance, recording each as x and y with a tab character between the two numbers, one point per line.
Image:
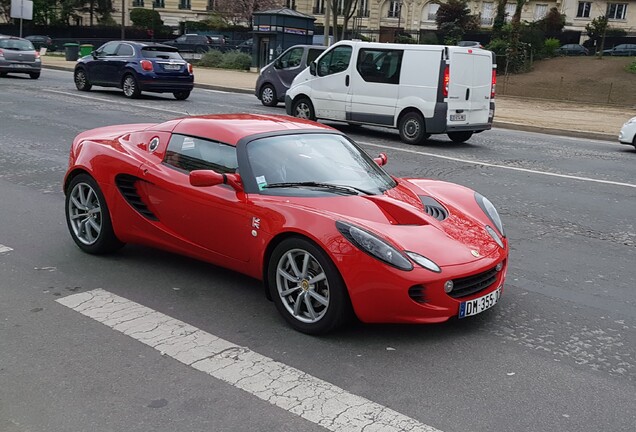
288	388
5	249
476	162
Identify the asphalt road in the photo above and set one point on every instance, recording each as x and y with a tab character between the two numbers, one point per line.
557	353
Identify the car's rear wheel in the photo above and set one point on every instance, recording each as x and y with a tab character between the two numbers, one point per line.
268	95
3	74
460	137
88	218
412	128
81	80
307	287
34	75
302	108
130	87
181	95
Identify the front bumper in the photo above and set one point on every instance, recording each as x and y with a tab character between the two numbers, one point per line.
288	105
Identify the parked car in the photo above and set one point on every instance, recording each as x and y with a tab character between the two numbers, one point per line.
41	41
18	55
621	50
275	78
627	134
246	46
329	232
572	50
469	44
136	67
197	43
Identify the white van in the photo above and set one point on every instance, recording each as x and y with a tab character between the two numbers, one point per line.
419	89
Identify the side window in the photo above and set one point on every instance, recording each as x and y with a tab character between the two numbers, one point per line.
181	39
313	54
336	60
189	153
380	65
109	49
125	50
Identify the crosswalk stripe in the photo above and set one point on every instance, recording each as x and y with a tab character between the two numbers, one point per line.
281	385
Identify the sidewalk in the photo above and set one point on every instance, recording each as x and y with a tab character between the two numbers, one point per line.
534	115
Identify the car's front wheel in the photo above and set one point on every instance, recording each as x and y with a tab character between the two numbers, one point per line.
302	108
268	95
460	137
181	95
307	287
81	80
34	75
130	87
88	218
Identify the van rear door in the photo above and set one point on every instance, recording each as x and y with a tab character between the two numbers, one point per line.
470	81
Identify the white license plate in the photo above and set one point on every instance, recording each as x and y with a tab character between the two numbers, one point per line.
18	65
458	117
473	307
172	67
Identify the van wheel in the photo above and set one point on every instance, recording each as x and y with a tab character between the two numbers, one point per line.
303	108
460	137
412	128
268	95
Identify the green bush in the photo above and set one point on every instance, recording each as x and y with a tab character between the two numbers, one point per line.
236	60
632	67
550	46
498	46
429	39
212	58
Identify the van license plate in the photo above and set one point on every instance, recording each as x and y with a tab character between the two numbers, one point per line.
458	117
473	307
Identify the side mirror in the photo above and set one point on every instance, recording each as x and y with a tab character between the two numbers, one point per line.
278	65
205	178
312	68
382	159
94	54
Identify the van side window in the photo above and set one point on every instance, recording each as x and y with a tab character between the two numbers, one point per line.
380	65
336	60
313	54
291	58
190	153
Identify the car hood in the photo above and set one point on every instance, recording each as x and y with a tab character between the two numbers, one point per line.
401	217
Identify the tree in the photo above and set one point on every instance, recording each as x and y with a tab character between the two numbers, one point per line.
241	11
454	19
145	18
500	19
552	23
348	9
596	31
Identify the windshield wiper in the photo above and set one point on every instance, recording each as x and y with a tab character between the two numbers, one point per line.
336	188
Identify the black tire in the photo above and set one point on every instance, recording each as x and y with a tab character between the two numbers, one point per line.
3	74
181	95
412	128
268	95
34	75
303	108
460	137
130	86
81	80
90	239
330	289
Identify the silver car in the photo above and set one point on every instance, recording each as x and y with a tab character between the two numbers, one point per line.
18	55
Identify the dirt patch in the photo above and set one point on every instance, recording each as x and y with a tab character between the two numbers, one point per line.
581	79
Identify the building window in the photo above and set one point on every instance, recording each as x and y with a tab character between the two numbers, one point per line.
319	7
394	9
159	4
138	3
616	11
432	12
487	14
510	11
363	10
184	4
290	4
540	11
583	11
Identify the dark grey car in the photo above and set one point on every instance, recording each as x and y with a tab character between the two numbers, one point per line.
18	55
275	78
621	50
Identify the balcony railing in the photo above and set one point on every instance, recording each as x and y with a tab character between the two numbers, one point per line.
487	21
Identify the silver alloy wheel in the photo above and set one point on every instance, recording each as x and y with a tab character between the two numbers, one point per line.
267	95
303	110
411	128
302	285
130	86
80	79
85	213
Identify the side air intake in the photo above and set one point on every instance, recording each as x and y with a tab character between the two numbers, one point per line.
126	185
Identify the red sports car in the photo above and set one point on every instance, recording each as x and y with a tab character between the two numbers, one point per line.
296	204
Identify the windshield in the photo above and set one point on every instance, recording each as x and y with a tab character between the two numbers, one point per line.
314	161
16	44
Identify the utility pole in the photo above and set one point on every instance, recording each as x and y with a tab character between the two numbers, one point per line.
327	21
123	19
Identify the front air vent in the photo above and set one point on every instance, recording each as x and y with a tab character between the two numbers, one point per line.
417	294
127	186
433	208
466	286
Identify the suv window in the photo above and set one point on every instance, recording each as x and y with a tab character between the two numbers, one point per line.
189	153
380	65
125	50
108	49
336	60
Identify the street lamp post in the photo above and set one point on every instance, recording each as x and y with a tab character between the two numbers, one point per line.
399	12
123	19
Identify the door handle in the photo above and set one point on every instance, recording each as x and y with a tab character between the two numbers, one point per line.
467	93
347	80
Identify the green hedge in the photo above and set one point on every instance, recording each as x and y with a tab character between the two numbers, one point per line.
228	60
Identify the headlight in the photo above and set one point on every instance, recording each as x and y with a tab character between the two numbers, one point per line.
490	211
374	246
630	121
424	262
